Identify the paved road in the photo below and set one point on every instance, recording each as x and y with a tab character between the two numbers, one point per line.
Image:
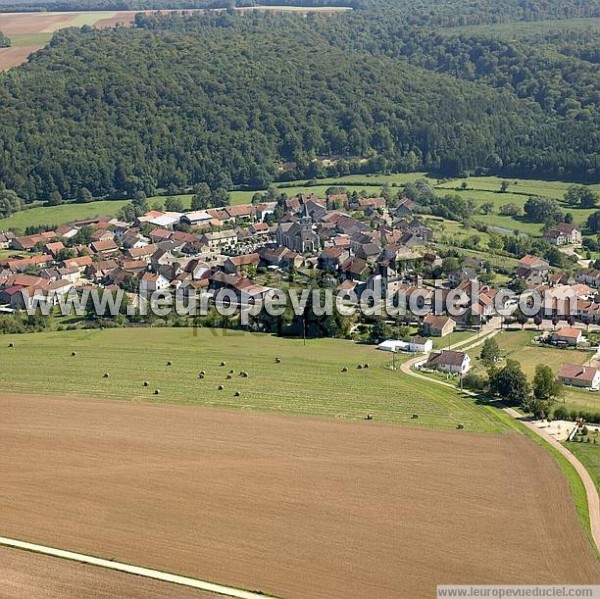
590	488
144	572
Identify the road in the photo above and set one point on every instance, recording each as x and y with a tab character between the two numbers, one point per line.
129	569
591	491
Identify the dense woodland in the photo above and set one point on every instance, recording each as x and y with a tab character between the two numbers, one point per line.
246	99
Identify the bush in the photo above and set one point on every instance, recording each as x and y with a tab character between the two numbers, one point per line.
476	382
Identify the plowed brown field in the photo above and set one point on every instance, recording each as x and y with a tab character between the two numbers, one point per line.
29	576
293	506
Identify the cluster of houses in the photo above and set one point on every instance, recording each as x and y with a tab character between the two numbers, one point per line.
361	243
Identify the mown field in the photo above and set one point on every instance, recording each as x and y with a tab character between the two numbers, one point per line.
589	455
308	380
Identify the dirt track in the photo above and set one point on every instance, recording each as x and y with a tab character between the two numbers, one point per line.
28	576
293	506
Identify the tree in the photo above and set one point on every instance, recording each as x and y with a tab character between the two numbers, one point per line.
221	197
201	200
55	199
543	210
9	202
84	196
490	352
593	222
510	382
545	384
4	41
504	186
581	196
510	209
173	204
487	208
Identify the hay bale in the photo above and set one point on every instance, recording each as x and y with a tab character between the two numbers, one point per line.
156	391
228	377
414	416
237	394
201	375
359	367
106	375
11	345
223	363
221	387
277	360
345	369
73	353
231	371
244	374
369	417
365	365
460	426
145	383
169	363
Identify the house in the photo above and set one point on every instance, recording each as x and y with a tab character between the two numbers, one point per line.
331	258
579	376
454	362
157	235
102	235
151	282
79	263
22	264
104	247
405	207
54	248
567	336
5	239
234	264
220	239
437	326
66	231
533	270
563	233
143	253
161	219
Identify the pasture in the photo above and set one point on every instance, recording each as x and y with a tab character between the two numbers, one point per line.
253	500
308	380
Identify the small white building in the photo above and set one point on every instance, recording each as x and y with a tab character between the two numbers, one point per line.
415	345
579	376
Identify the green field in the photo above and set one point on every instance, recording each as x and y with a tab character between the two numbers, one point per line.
589	455
308	381
480	190
25	40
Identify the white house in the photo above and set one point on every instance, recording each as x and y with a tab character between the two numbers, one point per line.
152	282
454	362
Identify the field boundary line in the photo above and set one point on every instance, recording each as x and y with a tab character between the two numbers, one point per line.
593	499
135	570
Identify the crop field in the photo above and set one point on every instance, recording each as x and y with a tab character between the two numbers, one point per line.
308	381
294	507
25	575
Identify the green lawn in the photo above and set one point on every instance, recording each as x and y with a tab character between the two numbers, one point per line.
308	380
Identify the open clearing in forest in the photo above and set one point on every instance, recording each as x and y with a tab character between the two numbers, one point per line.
295	507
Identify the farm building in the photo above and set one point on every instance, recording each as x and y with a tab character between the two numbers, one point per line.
416	345
438	326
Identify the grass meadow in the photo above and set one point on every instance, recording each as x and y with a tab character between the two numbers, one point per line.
308	380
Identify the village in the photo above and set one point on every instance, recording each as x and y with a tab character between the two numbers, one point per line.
350	243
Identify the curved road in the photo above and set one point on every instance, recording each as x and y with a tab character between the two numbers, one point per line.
590	488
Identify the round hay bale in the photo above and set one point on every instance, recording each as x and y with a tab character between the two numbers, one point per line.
228	377
365	365
237	394
369	417
460	426
223	363
156	391
244	374
345	369
169	363
11	345
359	367
414	416
73	353
106	375
221	387
277	360
145	383
201	375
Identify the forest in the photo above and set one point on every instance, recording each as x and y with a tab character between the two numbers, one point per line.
247	99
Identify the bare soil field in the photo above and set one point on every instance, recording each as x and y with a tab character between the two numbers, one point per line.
11	57
295	507
26	575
